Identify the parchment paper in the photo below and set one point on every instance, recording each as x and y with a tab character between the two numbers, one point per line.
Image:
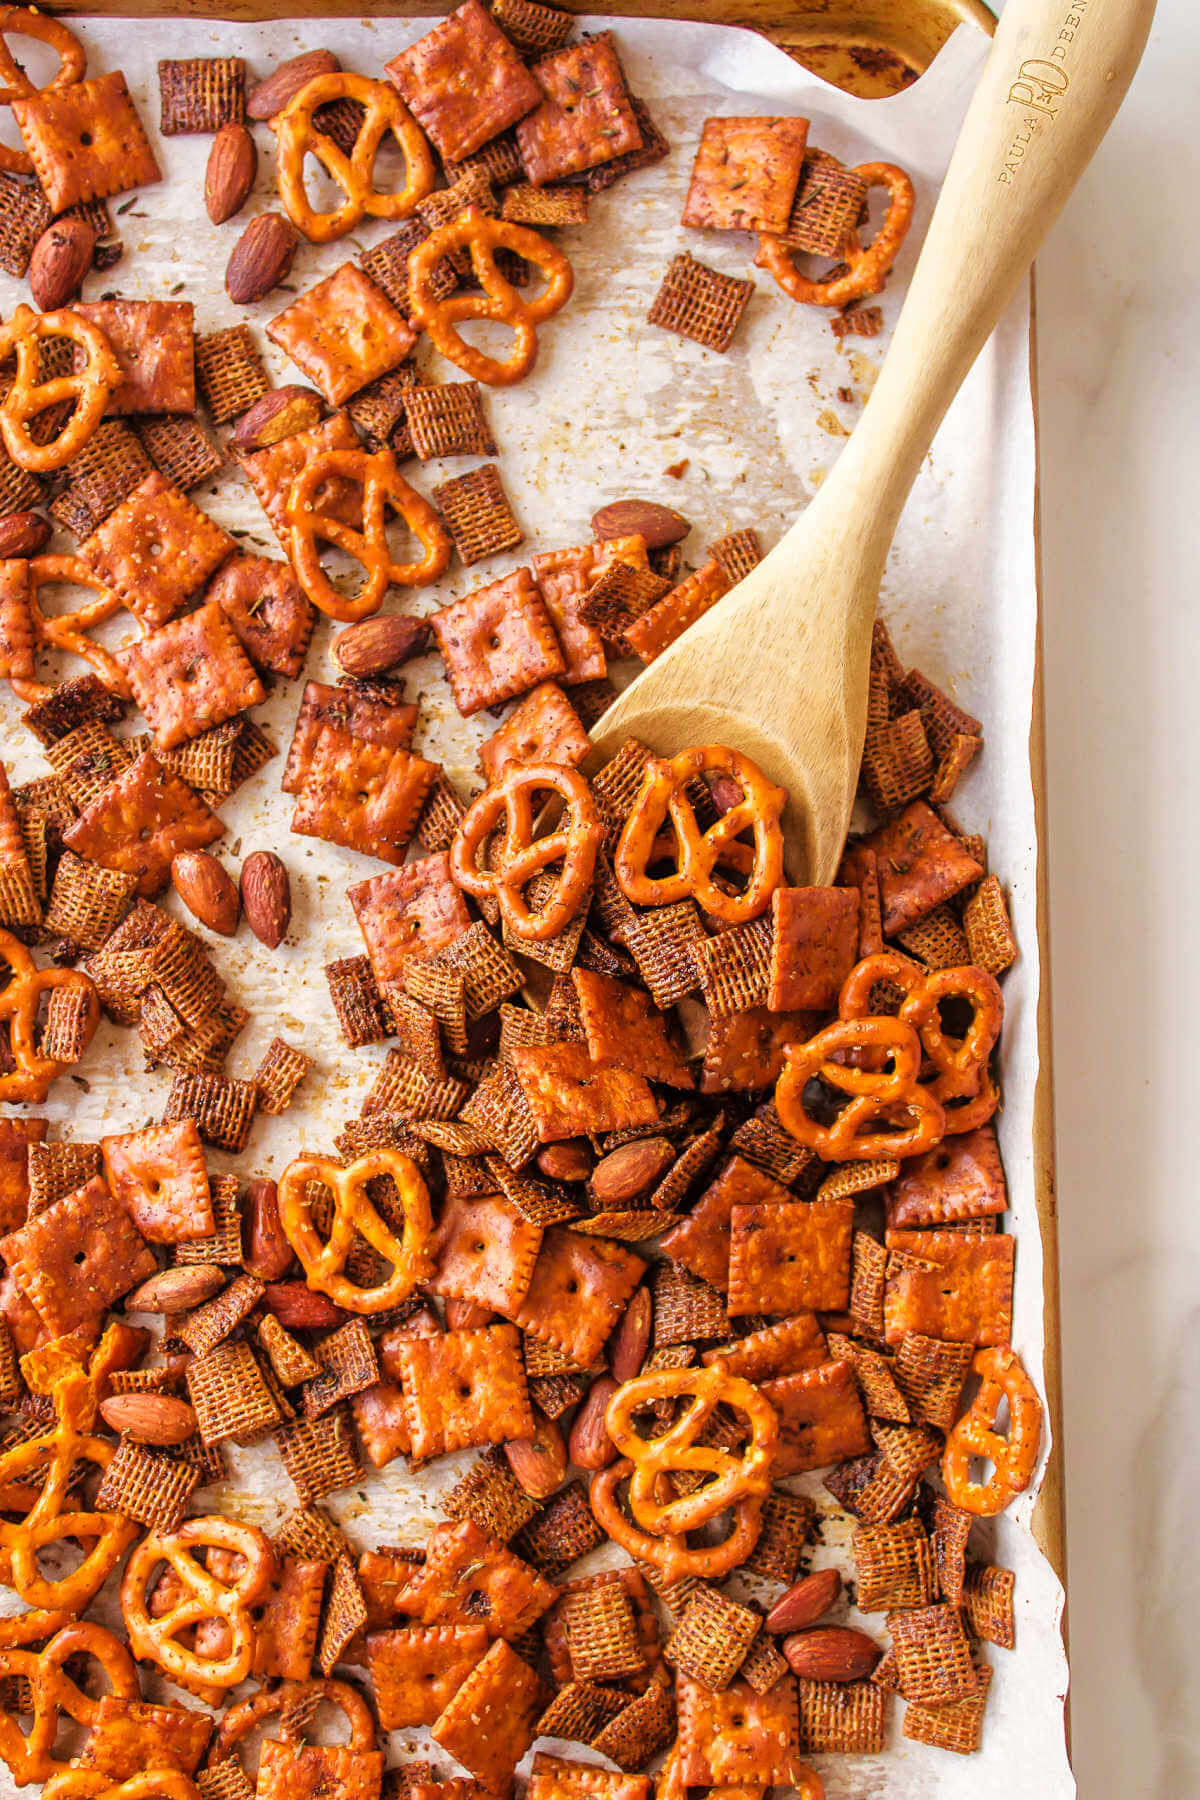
611	406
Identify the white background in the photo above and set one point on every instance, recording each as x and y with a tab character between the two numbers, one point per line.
1117	287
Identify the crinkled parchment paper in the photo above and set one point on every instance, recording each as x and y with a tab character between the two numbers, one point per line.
611	405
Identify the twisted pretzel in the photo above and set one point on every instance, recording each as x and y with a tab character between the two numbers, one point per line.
475	232
662	796
68	631
297	137
93	1784
31	1078
671	1553
52	1460
381	481
868	268
23	22
204	1597
521	855
250	1713
89	388
30	1756
874	1094
354	1214
1002	1377
961	1063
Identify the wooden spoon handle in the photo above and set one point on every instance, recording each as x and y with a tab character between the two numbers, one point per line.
1055	76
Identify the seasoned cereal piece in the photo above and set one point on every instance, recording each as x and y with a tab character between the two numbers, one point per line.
24	215
933	1657
190	675
624	1030
745	174
585	117
543	727
846	1717
601	1632
161	1179
76	1257
497	642
490	1722
484	1251
201	93
319	1454
821	1418
948	1285
343	333
489	1494
476	513
788	1524
894	1565
579	1290
697	302
86	141
921	864
712	1638
181	450
814	946
152	341
569	1093
414	910
524	204
789	1256
827	204
464	82
222	1108
952	1724
448	420
140	821
417	1669
268	610
155	550
229	372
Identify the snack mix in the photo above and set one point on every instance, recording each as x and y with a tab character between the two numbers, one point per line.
677	1183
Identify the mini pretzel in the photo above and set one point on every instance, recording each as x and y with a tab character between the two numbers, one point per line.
289	1696
52	1460
24	22
1002	1377
204	1597
521	855
297	137
475	232
960	1063
68	631
93	1784
381	481
89	388
874	1094
30	1756
663	795
868	268
671	1553
354	1214
19	1001
676	1451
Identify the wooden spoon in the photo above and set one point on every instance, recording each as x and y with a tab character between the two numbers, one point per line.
778	668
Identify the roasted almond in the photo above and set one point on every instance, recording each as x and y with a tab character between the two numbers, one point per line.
629	1343
631	1170
176	1290
589	1445
464	1315
61	258
299	1308
260	259
149	1418
266	897
23	534
806	1601
207	890
284	83
277	415
374	645
571	1160
229	176
265	1250
657	525
831	1653
539	1463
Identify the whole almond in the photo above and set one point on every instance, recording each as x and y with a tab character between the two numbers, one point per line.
176	1290
657	525
629	1343
570	1160
284	83
266	897
299	1308
260	259
265	1250
631	1170
278	414
23	534
589	1445
831	1653
207	890
806	1601
229	176
538	1463
149	1418
61	258
380	643
464	1315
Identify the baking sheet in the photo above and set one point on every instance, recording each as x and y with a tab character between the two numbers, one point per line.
611	407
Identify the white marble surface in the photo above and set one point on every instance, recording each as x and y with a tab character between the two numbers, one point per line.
1120	442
